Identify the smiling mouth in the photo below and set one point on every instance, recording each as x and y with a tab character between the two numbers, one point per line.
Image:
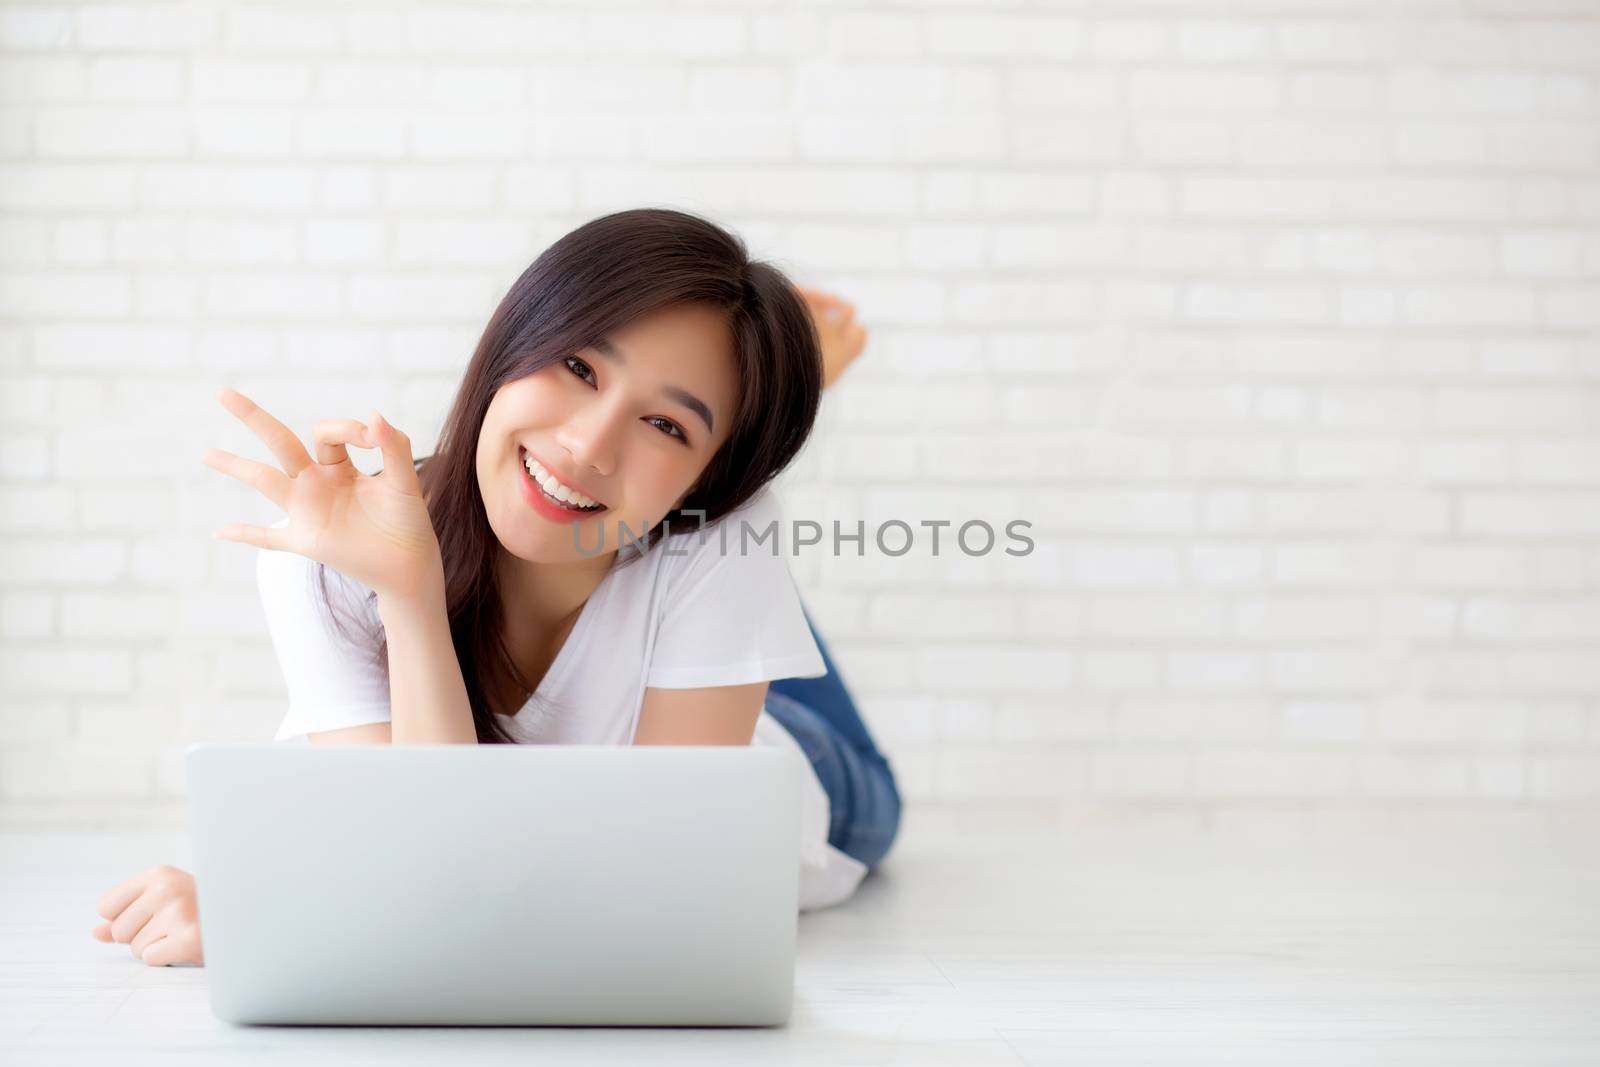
530	465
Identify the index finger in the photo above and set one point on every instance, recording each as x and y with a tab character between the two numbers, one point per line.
278	437
115	900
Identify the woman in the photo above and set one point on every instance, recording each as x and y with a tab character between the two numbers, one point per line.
548	575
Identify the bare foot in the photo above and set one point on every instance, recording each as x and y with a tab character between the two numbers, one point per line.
842	337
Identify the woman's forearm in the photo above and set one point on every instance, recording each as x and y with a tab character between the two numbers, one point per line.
427	695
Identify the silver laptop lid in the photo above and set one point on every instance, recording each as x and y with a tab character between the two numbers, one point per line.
497	884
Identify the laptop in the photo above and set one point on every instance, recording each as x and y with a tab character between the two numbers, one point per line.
564	885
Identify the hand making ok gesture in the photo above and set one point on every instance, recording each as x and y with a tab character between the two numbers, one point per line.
373	528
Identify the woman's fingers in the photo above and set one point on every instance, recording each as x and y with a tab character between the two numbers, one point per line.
118	897
157	928
126	927
278	437
153	952
181	945
331	436
262	477
398	465
270	538
153	913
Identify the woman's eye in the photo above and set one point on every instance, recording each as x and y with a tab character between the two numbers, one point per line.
580	364
667	426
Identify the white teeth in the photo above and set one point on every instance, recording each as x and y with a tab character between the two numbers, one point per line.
548	482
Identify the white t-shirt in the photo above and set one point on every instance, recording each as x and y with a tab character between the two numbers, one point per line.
695	616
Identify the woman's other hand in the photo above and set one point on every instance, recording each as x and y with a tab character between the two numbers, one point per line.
842	337
156	914
371	527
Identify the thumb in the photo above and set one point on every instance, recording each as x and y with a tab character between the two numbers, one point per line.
396	446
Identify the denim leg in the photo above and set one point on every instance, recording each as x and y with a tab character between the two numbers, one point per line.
860	784
829	697
864	805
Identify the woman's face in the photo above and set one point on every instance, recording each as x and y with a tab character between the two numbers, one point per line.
624	424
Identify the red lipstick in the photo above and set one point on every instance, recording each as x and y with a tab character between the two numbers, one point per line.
542	502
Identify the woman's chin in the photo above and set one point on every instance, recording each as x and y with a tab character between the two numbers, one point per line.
573	542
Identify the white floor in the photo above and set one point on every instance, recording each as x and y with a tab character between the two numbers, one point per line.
1110	935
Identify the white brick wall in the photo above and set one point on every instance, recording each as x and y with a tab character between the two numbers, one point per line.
1281	322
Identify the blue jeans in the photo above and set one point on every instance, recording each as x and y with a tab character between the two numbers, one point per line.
860	784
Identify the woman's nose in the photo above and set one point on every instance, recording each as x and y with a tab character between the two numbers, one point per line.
590	436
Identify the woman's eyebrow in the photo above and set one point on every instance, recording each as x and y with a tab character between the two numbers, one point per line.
682	396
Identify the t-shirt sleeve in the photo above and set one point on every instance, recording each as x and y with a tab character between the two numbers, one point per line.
730	613
333	681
